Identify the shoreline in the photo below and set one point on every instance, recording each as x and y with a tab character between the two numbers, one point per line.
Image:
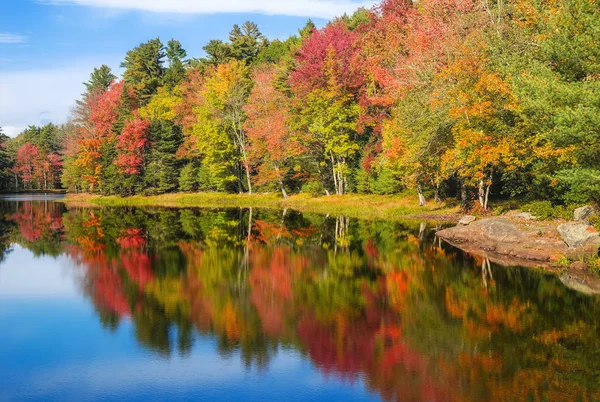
509	241
368	207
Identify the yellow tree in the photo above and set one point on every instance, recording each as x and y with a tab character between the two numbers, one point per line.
226	89
485	131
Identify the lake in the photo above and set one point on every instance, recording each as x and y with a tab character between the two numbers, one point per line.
264	305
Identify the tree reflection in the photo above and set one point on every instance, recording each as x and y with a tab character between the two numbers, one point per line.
378	302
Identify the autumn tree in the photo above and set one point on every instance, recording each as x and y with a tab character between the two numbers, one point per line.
226	89
327	82
131	145
27	165
270	146
93	137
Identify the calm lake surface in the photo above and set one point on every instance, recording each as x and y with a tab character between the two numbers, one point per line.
265	305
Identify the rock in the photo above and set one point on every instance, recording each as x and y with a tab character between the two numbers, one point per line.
467	220
500	230
525	216
581	282
579	235
579	266
583	213
512	241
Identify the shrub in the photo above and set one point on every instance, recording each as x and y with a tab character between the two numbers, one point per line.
544	210
314	188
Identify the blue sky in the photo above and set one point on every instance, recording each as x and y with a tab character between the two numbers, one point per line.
49	47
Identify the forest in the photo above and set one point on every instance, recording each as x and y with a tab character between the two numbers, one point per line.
465	99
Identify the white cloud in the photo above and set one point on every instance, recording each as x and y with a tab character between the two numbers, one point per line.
28	97
12	131
301	8
11	38
41	96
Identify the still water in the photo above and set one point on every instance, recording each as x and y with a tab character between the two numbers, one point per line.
264	305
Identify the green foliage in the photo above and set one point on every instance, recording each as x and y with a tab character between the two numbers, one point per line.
544	210
144	68
100	80
175	73
188	178
313	187
506	101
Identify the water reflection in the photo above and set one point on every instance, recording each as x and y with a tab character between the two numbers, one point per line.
375	302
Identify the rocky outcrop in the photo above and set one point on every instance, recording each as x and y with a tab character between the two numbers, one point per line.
584	213
580	235
540	242
513	241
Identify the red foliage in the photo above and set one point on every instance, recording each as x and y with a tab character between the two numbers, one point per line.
27	165
104	111
130	146
329	53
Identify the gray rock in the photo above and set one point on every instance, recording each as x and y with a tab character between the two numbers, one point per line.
577	284
583	213
525	216
500	230
579	235
467	220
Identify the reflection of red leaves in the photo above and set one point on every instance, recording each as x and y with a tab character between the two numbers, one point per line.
103	281
131	239
271	282
108	291
305	232
36	222
270	232
138	266
371	249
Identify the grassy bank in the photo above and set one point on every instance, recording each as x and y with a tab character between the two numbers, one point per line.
358	206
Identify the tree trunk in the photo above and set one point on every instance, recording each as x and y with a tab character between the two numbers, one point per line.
481	193
464	202
436	192
341	178
285	195
422	200
281	182
335	179
422	230
247	168
487	196
250	225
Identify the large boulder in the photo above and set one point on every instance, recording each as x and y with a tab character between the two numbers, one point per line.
584	213
467	220
579	235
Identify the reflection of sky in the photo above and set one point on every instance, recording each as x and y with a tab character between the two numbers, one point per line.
53	347
24	276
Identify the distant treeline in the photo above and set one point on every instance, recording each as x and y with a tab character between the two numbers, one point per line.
457	98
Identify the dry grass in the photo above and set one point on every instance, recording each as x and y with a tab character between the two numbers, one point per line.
357	206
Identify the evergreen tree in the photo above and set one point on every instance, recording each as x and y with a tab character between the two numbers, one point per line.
144	69
176	55
100	80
